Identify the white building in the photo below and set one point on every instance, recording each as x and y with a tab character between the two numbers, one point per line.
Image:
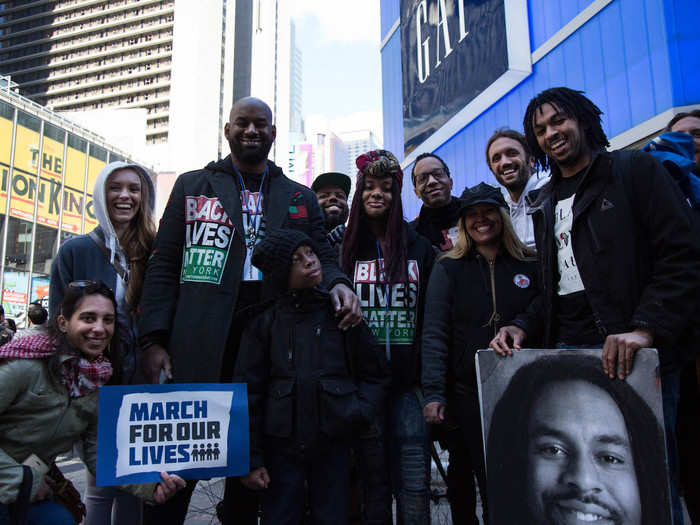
357	142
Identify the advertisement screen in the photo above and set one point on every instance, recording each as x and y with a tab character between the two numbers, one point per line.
26	162
6	116
96	161
74	184
48	209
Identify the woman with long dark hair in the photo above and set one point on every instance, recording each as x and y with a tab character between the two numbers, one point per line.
486	278
116	253
48	403
389	264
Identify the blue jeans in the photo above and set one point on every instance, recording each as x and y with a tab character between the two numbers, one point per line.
395	457
42	513
110	505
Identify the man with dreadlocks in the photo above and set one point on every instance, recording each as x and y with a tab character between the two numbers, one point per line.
620	263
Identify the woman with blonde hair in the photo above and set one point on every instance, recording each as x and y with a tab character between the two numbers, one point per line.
488	277
116	253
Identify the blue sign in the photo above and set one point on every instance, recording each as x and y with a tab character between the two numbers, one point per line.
196	431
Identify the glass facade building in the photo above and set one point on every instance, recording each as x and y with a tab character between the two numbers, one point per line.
48	167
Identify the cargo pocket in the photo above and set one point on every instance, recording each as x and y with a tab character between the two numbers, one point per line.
340	408
279	409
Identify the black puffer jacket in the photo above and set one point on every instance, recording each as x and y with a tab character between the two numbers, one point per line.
305	376
459	316
636	249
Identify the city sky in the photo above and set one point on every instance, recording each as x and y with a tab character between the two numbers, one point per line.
340	42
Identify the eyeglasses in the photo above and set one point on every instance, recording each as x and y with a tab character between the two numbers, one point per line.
438	174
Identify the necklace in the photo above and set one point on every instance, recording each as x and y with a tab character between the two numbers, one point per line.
382	276
253	226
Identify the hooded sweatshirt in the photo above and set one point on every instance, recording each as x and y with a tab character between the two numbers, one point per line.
80	258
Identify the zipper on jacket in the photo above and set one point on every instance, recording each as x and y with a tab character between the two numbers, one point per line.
495	316
290	349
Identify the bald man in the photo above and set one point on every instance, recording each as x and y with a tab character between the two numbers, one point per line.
200	279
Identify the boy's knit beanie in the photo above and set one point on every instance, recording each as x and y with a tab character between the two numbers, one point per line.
273	255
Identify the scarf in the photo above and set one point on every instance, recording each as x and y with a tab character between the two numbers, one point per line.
79	375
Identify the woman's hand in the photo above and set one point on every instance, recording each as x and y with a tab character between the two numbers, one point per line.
167	488
256	479
434	412
505	336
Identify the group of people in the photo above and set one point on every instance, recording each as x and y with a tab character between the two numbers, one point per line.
356	340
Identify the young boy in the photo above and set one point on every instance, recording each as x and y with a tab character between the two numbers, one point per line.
311	387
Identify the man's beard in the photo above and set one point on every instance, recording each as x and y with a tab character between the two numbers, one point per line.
250	155
334	219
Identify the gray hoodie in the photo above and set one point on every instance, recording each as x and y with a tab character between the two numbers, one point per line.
99	196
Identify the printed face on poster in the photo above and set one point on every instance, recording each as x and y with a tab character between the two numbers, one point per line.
566	444
196	431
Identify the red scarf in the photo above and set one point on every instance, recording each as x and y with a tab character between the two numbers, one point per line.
78	375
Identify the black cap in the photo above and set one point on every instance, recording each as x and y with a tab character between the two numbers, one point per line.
482	193
332	178
273	254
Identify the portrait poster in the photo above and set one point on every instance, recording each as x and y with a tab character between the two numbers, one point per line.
196	431
564	443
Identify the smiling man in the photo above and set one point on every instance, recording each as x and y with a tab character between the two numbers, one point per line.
619	254
200	279
510	161
432	184
567	446
332	190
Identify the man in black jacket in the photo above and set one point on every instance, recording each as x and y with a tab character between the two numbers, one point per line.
200	279
437	221
332	190
620	262
432	184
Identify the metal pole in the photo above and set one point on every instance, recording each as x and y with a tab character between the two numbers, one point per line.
34	217
7	200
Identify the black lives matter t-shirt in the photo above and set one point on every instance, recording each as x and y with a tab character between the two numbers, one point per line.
575	324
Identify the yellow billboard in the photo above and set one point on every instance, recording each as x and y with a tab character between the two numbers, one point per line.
48	208
6	116
23	187
96	161
74	184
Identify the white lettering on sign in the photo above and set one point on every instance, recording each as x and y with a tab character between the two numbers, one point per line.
426	14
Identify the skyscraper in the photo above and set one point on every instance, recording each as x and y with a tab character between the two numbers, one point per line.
357	142
179	64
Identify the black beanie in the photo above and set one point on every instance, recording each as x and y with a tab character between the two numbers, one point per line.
273	255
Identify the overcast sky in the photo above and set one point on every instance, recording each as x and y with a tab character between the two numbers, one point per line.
339	41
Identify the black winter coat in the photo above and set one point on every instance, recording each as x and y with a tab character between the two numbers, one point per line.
305	376
636	250
459	316
405	358
203	218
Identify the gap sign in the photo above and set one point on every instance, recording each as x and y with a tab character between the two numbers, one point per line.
458	57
